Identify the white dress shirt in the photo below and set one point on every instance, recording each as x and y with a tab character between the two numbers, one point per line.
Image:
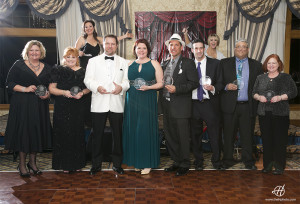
203	73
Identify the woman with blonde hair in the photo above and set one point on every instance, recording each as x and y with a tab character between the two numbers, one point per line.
68	122
28	129
213	42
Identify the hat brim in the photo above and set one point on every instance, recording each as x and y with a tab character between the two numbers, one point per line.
168	42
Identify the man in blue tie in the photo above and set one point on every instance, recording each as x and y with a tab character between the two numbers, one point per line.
238	107
205	106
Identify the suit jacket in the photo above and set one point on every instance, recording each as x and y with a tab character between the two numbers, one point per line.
96	75
185	79
229	98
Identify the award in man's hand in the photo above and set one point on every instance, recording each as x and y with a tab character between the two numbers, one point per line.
139	82
269	95
205	80
239	83
168	80
41	90
75	90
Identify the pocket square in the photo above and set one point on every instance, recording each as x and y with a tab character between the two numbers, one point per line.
180	71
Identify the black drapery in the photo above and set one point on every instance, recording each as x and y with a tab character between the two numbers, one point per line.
158	27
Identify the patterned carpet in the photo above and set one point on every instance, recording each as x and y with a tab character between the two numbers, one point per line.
44	161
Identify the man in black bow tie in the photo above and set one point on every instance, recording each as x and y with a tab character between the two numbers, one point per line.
106	77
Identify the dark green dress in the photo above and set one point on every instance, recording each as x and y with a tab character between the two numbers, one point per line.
140	126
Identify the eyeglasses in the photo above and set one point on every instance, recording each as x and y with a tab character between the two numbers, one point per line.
241	47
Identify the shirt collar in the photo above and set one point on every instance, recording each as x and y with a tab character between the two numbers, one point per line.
241	60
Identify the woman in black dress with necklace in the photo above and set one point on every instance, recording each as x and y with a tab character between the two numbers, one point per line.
28	129
68	120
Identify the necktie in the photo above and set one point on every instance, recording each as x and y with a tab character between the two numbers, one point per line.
168	72
111	58
239	74
200	89
240	70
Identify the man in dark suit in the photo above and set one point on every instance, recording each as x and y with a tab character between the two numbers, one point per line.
238	107
176	99
205	106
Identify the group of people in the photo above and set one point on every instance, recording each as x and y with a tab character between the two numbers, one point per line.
89	89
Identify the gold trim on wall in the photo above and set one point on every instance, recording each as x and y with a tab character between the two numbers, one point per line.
27	32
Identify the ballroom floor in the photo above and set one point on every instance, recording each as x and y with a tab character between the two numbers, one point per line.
208	186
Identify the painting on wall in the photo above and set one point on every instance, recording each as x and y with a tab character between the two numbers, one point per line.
158	27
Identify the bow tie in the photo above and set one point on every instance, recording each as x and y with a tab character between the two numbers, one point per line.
111	58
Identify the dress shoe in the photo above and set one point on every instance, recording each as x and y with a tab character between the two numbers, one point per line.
251	167
265	170
24	175
36	172
171	168
277	172
94	170
199	167
219	167
119	170
145	171
182	171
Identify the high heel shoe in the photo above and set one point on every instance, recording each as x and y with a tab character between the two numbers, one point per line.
36	172
145	171
24	175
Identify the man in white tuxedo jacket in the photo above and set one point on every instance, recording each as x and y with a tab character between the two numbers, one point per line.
106	77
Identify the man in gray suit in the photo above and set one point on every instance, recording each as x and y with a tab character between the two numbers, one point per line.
176	99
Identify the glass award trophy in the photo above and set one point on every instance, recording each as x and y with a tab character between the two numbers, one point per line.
269	95
41	90
139	82
239	83
205	80
75	90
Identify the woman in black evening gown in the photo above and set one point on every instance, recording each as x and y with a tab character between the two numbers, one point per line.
28	129
68	120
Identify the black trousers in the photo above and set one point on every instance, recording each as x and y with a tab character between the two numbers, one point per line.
177	133
240	120
116	123
274	133
205	111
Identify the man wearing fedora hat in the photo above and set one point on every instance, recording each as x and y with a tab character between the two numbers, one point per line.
180	77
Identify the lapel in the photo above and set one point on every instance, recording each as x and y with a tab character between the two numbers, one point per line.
165	65
117	66
232	70
176	70
208	69
251	74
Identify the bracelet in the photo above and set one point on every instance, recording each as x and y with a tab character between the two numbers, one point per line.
23	89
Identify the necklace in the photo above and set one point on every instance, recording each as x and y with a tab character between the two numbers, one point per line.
35	68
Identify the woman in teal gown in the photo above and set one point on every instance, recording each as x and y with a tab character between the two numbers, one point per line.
140	126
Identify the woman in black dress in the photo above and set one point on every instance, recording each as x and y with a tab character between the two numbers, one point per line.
68	120
273	90
28	127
